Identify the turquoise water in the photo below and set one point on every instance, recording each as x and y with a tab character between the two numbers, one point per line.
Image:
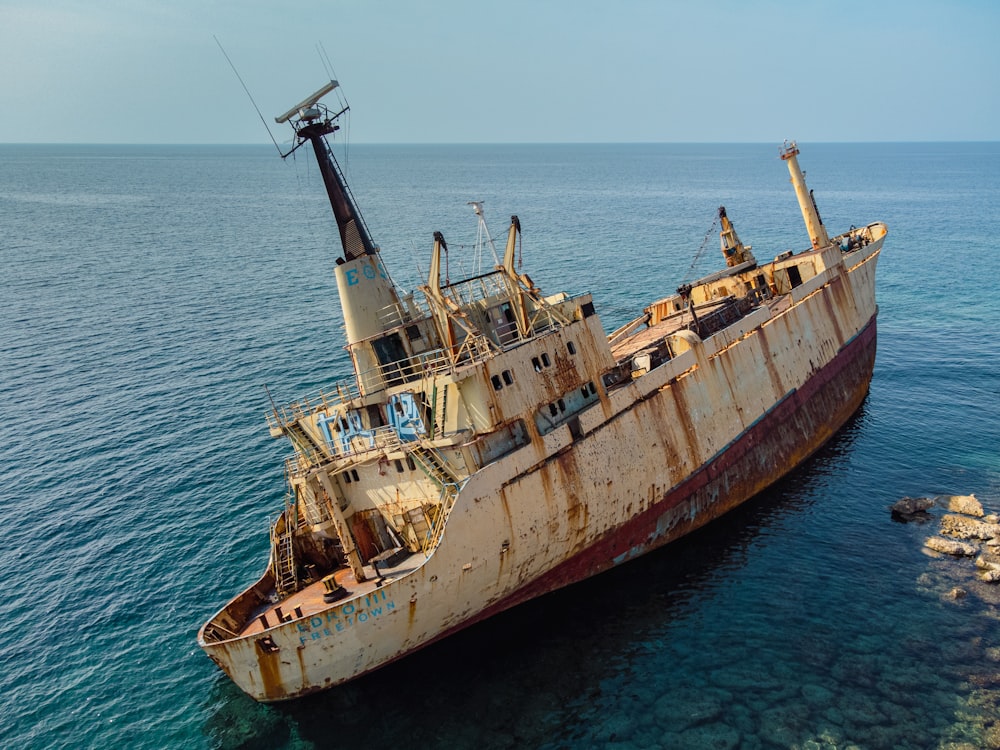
149	293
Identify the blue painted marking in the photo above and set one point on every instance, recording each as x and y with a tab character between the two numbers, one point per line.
324	426
404	416
348	427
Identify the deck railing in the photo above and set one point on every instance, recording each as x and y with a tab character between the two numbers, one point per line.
473	349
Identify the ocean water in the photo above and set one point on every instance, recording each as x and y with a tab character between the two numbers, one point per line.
149	294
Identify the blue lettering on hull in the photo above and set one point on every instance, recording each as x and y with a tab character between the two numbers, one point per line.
338	620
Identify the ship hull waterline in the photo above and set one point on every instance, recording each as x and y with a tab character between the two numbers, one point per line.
783	438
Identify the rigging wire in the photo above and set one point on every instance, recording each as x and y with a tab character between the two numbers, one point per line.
240	79
325	59
697	255
327	64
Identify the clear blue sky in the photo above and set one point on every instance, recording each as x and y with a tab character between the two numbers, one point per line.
149	71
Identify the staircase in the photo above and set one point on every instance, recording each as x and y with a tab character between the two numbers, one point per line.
433	464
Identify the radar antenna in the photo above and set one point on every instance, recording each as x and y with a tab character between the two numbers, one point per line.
303	107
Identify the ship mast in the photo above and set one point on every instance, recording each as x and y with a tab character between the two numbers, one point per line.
362	281
807	204
313	122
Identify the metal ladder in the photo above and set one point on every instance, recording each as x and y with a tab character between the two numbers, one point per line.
286	580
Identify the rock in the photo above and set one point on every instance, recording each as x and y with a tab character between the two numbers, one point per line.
991	737
696	709
951	547
964	527
833	715
988	560
684	710
743	679
990	680
966	504
912	509
991	518
957	593
990	576
717	736
816	695
861	713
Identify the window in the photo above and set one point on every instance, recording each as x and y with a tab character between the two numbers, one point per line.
538	364
794	277
506	377
571	347
399	465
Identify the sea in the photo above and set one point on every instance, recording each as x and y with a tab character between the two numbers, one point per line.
154	296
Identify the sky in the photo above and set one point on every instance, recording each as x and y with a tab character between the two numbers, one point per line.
509	71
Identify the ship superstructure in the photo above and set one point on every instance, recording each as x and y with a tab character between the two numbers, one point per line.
475	459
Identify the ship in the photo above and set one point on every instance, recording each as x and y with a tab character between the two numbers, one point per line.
495	443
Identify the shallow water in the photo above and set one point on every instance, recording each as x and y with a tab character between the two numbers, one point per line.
150	293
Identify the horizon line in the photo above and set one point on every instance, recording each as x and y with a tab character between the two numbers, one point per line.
497	143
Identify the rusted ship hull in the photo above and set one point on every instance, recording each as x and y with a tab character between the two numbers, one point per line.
786	437
495	443
652	461
783	439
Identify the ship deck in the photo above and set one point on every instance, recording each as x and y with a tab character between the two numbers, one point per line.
650	336
309	600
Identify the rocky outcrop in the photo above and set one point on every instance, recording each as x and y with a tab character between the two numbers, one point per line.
963	527
964	504
912	509
965	530
916	508
951	547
